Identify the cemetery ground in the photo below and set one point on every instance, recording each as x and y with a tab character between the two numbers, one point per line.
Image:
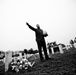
60	64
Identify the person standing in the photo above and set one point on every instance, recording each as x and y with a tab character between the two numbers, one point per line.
40	41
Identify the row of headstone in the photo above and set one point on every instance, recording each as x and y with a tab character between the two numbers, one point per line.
60	49
56	49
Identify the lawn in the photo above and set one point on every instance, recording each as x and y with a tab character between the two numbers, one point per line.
60	64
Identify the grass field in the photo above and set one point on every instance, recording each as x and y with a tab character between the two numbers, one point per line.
61	64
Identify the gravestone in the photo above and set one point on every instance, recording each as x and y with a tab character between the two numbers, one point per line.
56	49
8	59
75	45
52	50
60	48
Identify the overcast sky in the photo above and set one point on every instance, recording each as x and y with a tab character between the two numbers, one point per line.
57	17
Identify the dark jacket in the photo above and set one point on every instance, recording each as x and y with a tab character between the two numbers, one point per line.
38	33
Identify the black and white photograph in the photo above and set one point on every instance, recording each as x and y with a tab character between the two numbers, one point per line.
37	37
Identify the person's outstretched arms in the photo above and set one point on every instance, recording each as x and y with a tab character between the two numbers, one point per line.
30	26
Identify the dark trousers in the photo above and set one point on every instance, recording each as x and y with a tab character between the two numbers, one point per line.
42	44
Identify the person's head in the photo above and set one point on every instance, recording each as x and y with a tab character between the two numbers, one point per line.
38	26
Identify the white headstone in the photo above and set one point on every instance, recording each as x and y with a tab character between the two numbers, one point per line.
75	45
8	59
52	50
60	48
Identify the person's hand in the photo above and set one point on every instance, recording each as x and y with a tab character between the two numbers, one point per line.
45	34
27	23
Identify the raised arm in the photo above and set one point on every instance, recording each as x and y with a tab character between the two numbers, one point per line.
32	28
